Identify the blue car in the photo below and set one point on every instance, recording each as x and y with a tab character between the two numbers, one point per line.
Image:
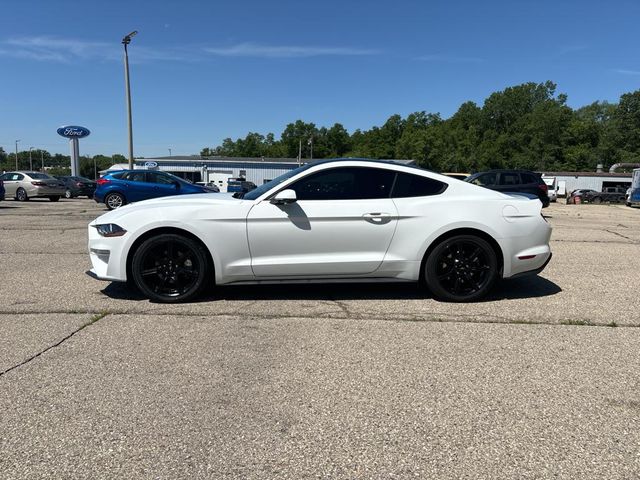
126	186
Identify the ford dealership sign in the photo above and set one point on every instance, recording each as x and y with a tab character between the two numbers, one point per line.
73	131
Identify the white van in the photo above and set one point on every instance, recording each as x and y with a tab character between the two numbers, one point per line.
552	187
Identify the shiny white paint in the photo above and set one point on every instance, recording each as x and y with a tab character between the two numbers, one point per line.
256	241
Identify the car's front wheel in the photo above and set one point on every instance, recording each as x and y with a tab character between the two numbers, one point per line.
462	268
170	268
114	200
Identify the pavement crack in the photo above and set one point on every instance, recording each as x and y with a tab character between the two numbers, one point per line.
621	235
91	321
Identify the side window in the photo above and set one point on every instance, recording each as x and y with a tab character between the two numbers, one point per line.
346	183
509	179
135	177
155	177
488	179
408	185
17	177
529	178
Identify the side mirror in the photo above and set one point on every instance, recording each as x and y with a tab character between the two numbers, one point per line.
284	197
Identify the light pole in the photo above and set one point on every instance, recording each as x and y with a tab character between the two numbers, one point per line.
17	154
126	41
42	160
30	160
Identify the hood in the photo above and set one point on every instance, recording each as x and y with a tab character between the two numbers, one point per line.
180	201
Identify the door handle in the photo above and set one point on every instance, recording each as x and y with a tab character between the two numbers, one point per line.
377	217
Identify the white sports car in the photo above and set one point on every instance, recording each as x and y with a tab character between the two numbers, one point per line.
329	221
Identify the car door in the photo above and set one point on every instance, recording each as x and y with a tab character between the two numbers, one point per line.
162	185
136	186
341	224
11	183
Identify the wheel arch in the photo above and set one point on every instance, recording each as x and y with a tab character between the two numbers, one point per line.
164	230
464	231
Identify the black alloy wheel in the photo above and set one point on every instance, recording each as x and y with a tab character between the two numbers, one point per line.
54	198
21	195
461	269
170	268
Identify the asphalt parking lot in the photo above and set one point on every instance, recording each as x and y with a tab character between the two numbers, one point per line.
542	380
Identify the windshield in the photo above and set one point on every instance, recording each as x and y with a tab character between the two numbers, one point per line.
38	175
262	189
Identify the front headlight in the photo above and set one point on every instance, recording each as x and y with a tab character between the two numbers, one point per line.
110	230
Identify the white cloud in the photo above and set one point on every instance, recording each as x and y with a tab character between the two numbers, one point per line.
62	50
285	51
627	72
449	59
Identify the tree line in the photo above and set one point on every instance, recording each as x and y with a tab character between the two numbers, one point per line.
526	126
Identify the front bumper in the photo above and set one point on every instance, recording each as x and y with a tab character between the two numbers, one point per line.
107	258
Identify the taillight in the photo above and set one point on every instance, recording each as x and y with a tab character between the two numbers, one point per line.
39	184
544	187
102	181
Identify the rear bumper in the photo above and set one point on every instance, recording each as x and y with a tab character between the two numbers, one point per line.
534	271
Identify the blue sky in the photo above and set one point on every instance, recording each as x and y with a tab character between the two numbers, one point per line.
205	70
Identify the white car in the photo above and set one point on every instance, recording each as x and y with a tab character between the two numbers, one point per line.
329	221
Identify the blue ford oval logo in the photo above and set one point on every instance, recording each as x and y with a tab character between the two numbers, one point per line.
151	164
73	131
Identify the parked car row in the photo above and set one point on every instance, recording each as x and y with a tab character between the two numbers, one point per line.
23	185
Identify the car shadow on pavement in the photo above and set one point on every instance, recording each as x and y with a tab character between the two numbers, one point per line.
524	287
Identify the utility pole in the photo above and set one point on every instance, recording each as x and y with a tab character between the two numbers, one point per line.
300	152
126	41
17	154
30	160
42	160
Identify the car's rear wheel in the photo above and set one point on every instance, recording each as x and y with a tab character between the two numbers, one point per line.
21	195
597	200
462	268
54	198
170	268
114	200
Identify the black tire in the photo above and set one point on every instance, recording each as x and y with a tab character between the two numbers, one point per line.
597	200
21	195
462	268
68	193
114	200
54	198
170	268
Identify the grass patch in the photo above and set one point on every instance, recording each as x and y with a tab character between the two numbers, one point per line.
574	322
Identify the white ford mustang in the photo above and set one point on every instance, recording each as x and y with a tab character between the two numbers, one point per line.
329	221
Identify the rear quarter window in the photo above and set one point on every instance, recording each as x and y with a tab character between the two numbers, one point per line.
408	185
531	178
